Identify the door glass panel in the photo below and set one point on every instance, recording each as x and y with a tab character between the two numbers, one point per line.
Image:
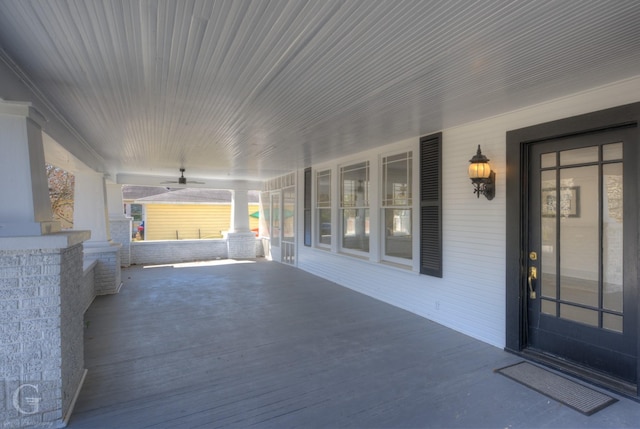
548	227
612	322
579	235
612	152
549	307
275	220
612	235
548	160
579	156
578	314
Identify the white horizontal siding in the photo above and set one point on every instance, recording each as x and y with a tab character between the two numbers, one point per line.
471	295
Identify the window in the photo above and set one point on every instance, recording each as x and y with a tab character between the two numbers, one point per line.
396	202
275	219
431	205
354	206
307	206
323	207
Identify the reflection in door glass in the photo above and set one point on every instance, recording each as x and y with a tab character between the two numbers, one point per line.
548	159
612	235
612	152
548	249
581	227
579	156
579	235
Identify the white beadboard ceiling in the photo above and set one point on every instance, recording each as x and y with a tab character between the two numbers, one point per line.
246	90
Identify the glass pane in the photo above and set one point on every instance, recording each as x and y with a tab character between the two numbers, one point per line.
355	227
323	186
355	185
396	173
265	216
324	220
548	307
549	235
612	151
578	314
612	236
275	220
612	322
579	235
398	238
579	156
288	227
548	160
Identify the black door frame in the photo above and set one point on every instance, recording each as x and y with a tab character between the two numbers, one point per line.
517	208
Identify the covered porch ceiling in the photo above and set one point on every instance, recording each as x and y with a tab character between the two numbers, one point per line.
248	90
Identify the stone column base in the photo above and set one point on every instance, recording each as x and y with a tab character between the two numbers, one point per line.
41	328
241	245
121	233
108	279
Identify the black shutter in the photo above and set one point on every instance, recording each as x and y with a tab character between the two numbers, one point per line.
431	205
307	206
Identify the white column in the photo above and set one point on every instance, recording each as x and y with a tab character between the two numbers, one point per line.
90	212
26	210
239	211
115	204
90	206
241	242
119	223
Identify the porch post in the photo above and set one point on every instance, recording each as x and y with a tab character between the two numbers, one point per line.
42	294
119	223
241	242
90	212
26	209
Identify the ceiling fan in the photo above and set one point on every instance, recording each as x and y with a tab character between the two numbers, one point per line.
183	180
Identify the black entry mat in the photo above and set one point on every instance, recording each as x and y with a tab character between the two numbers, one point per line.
573	395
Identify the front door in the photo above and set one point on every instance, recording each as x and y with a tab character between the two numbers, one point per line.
579	276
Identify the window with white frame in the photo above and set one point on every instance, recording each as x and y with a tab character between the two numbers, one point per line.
354	206
323	207
396	206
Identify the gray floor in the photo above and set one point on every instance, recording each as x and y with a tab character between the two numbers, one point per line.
267	345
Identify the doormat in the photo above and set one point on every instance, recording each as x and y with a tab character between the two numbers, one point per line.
567	392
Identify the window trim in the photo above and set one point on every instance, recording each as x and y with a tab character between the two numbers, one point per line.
317	207
340	208
410	160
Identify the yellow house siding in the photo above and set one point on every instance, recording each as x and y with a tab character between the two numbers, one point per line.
190	221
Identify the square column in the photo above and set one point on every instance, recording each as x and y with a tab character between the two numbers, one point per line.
27	209
119	223
241	242
43	298
90	212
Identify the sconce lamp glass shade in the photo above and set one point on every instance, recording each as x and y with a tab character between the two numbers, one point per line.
479	170
481	176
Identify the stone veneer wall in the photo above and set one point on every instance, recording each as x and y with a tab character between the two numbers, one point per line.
121	233
41	334
173	251
108	276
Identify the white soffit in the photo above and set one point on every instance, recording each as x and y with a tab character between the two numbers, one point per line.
253	89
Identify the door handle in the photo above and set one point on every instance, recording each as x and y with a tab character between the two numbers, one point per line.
533	275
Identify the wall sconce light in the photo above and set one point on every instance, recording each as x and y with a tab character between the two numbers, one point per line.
481	176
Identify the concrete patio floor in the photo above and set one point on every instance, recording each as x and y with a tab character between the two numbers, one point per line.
260	344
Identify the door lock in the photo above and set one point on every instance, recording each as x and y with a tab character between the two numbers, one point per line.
533	275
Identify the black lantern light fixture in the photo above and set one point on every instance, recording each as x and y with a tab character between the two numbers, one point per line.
481	176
